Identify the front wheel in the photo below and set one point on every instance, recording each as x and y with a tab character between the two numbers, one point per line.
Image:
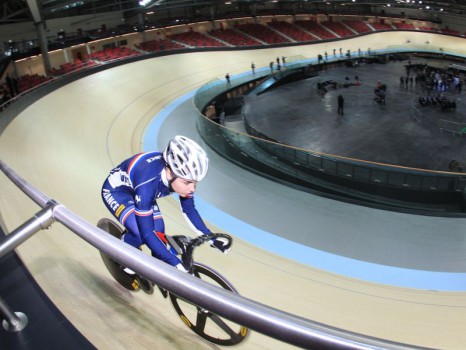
203	322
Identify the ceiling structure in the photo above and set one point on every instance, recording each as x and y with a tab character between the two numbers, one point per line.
13	11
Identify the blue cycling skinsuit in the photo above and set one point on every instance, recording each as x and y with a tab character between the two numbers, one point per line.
130	192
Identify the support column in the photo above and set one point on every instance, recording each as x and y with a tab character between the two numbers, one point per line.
141	26
212	17
13	321
65	54
43	47
39	24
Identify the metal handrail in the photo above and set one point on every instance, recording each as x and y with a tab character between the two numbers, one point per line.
264	319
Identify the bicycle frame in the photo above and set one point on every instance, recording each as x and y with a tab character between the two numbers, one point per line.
226	333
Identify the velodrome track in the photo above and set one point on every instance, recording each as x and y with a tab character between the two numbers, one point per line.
65	143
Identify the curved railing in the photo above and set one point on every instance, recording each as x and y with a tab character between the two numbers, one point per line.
256	151
259	317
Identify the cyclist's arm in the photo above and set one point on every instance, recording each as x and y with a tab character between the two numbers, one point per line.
145	221
192	216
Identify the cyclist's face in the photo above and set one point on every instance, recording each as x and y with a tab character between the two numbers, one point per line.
185	188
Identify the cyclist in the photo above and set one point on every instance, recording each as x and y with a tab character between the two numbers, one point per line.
131	190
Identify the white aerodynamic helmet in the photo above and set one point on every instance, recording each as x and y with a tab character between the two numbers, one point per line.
186	159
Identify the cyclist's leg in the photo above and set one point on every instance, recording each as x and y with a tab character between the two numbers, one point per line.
157	242
128	220
159	249
153	241
121	205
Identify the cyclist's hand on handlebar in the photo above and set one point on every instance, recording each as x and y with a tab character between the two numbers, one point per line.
220	246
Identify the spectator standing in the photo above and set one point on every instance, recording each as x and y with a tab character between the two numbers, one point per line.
341	104
227	77
271	67
253	68
10	84
15	85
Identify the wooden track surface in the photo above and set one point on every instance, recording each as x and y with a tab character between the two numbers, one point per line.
65	144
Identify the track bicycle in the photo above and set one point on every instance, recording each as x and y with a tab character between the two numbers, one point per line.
201	321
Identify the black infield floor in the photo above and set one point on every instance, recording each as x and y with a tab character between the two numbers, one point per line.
401	132
46	326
